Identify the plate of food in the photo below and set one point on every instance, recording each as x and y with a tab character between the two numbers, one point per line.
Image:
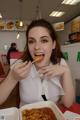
44	110
71	115
9	114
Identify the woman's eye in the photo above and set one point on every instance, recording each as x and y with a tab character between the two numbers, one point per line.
30	41
44	41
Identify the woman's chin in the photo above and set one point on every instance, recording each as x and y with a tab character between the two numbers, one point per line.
39	64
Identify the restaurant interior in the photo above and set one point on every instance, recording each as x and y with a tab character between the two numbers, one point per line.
16	15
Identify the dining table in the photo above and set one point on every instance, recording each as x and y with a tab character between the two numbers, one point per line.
75	107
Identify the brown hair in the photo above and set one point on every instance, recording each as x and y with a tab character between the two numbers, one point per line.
56	53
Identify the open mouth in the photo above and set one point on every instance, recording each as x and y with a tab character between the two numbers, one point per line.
38	57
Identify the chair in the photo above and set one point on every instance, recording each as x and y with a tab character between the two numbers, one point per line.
15	56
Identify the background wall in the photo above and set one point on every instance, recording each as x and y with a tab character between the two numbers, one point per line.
6	38
70	27
72	56
63	35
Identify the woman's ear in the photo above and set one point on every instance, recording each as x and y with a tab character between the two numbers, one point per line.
54	44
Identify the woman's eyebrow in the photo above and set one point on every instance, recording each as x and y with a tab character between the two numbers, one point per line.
31	38
44	37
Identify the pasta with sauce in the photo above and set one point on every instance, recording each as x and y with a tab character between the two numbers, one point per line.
38	114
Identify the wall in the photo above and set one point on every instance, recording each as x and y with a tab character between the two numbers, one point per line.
70	27
63	35
72	56
7	37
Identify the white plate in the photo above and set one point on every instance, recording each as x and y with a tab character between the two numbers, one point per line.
9	114
71	115
59	115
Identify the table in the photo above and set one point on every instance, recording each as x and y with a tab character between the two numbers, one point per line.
74	108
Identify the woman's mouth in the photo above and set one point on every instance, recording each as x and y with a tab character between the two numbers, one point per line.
38	57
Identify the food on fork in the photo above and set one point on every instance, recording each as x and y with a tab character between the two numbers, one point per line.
38	58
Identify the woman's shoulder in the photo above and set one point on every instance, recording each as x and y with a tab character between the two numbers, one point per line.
63	61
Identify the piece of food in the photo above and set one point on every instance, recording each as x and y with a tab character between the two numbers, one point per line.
38	114
38	58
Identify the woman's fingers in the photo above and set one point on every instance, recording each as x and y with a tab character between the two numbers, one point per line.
21	64
45	70
21	70
52	70
25	70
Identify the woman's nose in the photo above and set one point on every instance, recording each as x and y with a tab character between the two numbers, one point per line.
37	45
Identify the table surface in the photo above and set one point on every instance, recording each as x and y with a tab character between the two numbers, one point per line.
74	108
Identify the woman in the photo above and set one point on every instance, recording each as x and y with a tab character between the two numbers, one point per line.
47	79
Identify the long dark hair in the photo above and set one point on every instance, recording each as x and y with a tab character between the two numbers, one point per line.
56	53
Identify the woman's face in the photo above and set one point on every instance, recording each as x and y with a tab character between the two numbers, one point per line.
40	44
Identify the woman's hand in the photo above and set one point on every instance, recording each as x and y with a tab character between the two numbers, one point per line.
62	70
53	70
20	70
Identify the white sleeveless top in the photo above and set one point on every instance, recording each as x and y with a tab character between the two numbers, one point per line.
31	88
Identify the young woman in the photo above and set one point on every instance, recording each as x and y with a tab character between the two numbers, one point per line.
46	79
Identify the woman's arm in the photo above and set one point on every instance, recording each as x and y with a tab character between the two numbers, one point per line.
18	72
6	87
67	83
66	80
